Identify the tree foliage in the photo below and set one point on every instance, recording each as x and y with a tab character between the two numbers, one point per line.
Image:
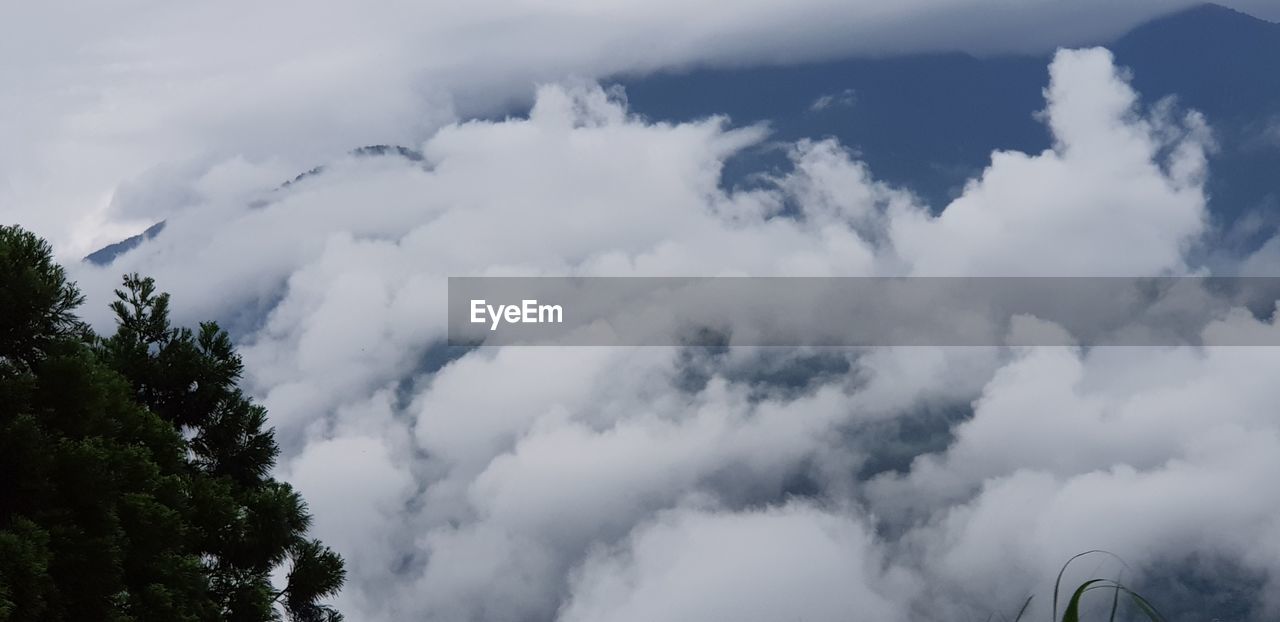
135	476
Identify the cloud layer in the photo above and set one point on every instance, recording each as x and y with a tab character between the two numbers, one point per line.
111	112
567	484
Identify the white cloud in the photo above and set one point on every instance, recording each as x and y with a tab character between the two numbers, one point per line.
605	483
1149	453
843	99
96	99
357	491
791	562
1069	211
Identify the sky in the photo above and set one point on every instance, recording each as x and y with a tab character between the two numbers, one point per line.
650	483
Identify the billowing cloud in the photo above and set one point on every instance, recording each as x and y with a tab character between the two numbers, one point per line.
791	562
1152	454
663	483
1110	182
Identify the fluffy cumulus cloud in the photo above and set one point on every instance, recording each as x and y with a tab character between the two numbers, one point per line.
789	562
572	484
1104	186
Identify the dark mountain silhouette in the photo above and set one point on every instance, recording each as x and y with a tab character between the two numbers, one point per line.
107	254
1225	64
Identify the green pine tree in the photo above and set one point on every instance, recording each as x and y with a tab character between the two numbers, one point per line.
134	474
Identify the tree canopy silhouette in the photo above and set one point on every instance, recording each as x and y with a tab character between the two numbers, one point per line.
135	476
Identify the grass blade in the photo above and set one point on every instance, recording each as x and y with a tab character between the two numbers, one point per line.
1072	612
1115	603
1023	610
1057	584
